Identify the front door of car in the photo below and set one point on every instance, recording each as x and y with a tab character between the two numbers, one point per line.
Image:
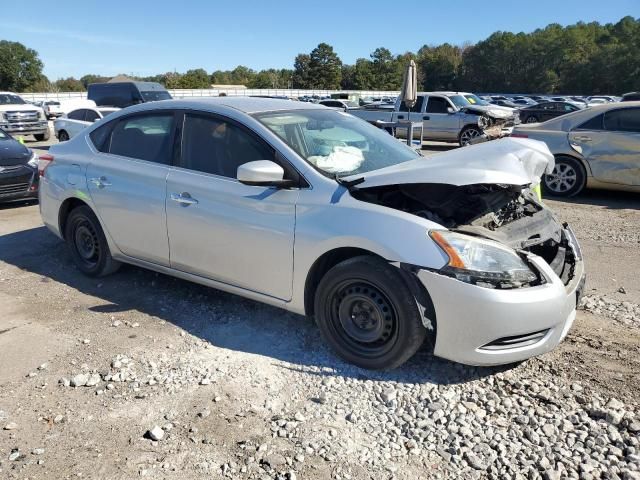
127	183
441	119
610	143
219	228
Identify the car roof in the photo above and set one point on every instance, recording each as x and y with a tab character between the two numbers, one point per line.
243	104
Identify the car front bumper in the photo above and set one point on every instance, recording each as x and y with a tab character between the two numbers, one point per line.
25	127
18	183
483	326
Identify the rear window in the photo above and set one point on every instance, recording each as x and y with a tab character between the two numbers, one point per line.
144	137
155	95
596	123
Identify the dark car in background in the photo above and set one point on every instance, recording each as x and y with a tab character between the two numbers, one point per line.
125	94
631	97
546	111
18	170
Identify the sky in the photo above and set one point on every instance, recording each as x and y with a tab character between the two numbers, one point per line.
143	37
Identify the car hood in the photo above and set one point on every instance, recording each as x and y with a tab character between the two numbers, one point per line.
508	161
13	152
18	107
491	110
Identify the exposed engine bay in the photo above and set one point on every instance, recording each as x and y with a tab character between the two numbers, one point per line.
509	214
494	121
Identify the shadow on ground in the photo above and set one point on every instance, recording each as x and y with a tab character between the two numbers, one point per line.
225	320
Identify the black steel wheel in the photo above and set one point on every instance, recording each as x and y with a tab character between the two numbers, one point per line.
63	136
87	243
367	313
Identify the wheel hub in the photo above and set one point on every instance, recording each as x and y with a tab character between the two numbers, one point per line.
364	313
86	243
562	179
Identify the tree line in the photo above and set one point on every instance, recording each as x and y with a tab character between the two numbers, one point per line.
584	58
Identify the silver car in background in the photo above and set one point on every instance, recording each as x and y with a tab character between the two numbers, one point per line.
315	211
598	147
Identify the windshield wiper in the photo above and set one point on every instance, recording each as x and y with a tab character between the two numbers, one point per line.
349	184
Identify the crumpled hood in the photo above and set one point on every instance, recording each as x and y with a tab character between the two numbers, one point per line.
491	110
508	161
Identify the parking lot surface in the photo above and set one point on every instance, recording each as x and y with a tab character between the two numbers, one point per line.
140	374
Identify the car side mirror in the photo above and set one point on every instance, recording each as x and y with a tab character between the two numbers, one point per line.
263	173
450	110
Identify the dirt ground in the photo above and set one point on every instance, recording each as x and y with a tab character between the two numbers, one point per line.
223	376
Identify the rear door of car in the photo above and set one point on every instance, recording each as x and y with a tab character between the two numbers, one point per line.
75	122
219	228
127	182
610	142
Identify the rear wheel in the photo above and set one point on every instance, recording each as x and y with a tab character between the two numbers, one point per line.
87	243
531	119
567	179
63	136
367	314
467	134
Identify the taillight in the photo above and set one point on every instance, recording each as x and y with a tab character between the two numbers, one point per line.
44	161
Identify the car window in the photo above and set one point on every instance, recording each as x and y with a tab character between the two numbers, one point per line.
91	116
416	108
569	108
100	136
217	146
144	137
595	123
76	114
624	120
437	105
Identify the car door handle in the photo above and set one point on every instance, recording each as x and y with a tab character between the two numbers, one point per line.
582	138
100	182
183	199
426	117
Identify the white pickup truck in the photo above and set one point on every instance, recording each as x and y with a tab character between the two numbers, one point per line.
18	117
448	116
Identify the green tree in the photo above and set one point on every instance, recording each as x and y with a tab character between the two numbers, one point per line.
384	69
324	68
20	66
301	72
92	78
69	84
195	79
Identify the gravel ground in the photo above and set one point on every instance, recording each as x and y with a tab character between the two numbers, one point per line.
140	374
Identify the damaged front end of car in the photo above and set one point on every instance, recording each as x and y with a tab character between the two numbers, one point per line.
489	230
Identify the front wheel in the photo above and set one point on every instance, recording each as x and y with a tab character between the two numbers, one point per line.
367	314
42	137
531	119
87	243
468	134
567	179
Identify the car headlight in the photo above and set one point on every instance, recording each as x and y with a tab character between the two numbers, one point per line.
482	262
33	161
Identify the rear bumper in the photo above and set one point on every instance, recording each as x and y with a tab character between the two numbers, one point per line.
481	326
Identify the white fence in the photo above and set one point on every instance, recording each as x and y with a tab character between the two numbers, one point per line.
181	93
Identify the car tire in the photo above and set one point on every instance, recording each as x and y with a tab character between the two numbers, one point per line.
87	243
63	136
531	119
568	178
42	137
366	312
467	134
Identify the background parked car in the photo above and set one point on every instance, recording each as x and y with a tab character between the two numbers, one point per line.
52	109
18	117
18	170
631	97
343	104
125	94
69	125
505	103
596	147
546	111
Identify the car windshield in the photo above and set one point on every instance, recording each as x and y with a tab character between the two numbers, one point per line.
475	100
155	95
8	99
57	104
459	101
335	142
3	135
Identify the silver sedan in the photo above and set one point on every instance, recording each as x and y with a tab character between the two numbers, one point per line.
317	212
598	147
